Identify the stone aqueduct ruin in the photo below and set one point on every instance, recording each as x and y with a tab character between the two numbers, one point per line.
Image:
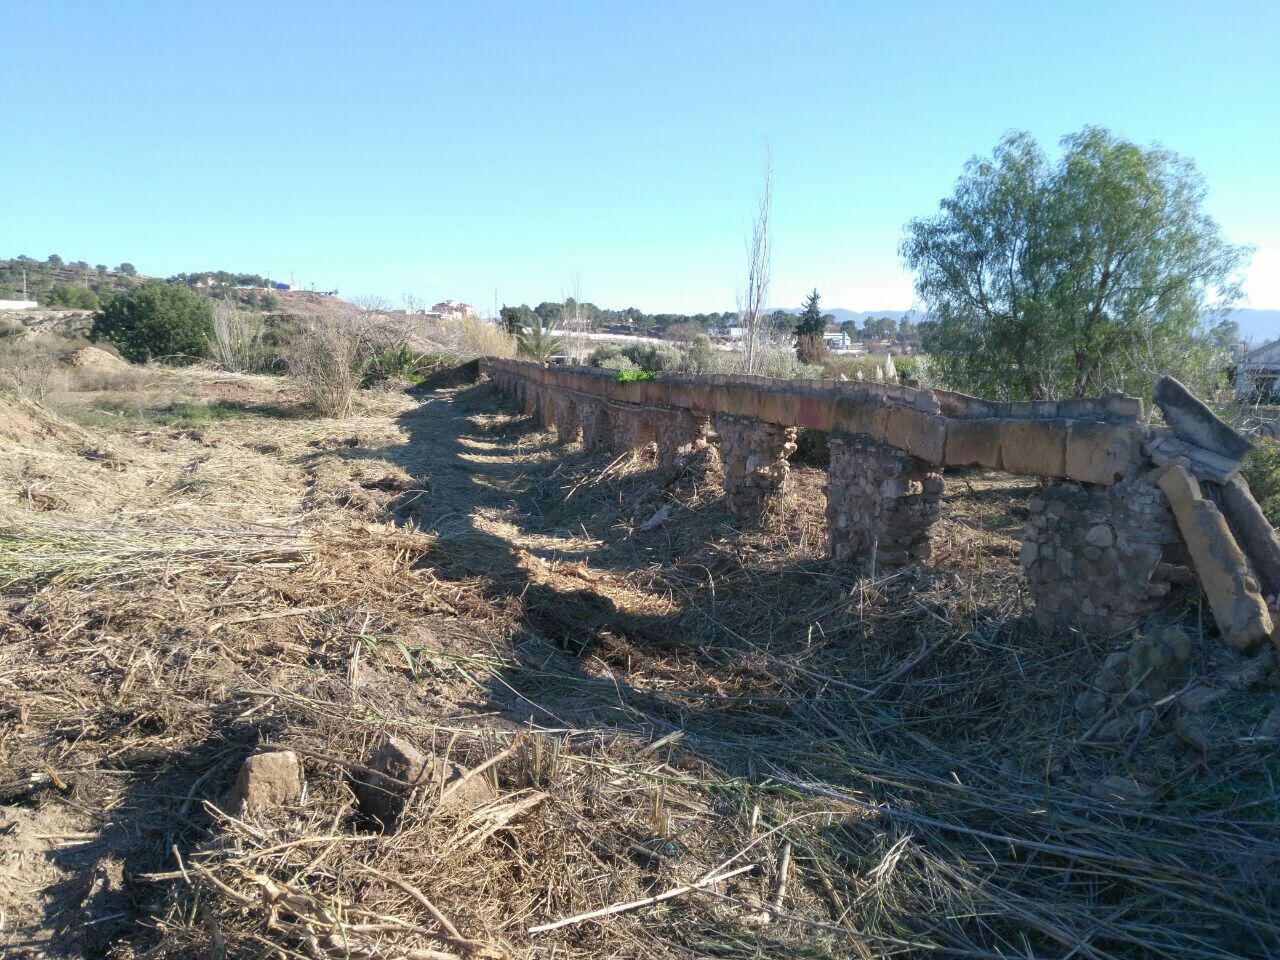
1120	526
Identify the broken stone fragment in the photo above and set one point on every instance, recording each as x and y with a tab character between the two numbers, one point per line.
1195	423
399	769
1257	537
1205	464
1225	574
266	781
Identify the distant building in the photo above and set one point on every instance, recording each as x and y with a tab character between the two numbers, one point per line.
451	310
1258	373
18	304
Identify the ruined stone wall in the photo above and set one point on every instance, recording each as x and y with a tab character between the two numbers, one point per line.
1102	557
881	503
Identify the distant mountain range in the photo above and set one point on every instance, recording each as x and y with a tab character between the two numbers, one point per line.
1256	326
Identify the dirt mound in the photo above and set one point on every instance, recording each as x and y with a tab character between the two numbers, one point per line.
95	358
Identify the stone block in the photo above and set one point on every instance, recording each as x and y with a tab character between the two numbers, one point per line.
266	781
398	769
918	433
973	443
1100	452
1037	448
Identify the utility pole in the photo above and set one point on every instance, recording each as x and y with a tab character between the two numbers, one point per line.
24	283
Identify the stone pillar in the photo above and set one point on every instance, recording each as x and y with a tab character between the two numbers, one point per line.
594	417
754	455
529	398
547	403
568	426
1102	558
881	502
677	432
629	429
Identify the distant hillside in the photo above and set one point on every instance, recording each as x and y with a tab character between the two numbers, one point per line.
44	276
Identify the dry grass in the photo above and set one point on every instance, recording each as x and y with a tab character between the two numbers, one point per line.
666	705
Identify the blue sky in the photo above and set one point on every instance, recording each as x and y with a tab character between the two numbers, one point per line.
455	149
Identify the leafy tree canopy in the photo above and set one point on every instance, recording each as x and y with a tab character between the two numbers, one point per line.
156	320
1049	280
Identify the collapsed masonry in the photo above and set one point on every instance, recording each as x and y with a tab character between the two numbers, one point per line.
1127	518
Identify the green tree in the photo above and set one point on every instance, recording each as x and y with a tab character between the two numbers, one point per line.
156	320
810	322
1094	273
128	269
73	298
539	341
515	319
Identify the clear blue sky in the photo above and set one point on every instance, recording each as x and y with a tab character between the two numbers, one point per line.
448	149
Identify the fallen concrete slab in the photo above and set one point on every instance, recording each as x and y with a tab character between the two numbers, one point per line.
1226	576
1254	532
1195	423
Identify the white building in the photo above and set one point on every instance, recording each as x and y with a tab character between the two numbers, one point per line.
1258	373
18	304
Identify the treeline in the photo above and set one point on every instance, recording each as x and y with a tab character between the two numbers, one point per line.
54	282
76	285
573	315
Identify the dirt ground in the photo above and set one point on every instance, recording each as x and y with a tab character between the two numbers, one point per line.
194	569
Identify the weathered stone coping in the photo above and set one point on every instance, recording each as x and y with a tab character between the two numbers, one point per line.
1091	440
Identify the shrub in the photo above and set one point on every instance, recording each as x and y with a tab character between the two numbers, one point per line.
653	357
237	342
324	363
1262	471
73	298
634	376
156	321
811	349
617	363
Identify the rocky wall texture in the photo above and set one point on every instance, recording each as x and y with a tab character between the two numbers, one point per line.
547	403
677	432
594	418
881	503
754	457
1102	557
629	429
568	426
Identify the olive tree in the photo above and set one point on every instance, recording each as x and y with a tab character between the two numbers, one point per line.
1097	272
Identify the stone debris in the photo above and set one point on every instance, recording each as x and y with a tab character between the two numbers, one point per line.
658	519
1199	697
266	781
1250	673
407	770
1131	681
1225	574
1195	423
1204	464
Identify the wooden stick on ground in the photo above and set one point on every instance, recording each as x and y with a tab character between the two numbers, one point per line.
636	904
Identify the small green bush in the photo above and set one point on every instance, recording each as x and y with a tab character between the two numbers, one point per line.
1261	469
157	321
634	376
73	298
